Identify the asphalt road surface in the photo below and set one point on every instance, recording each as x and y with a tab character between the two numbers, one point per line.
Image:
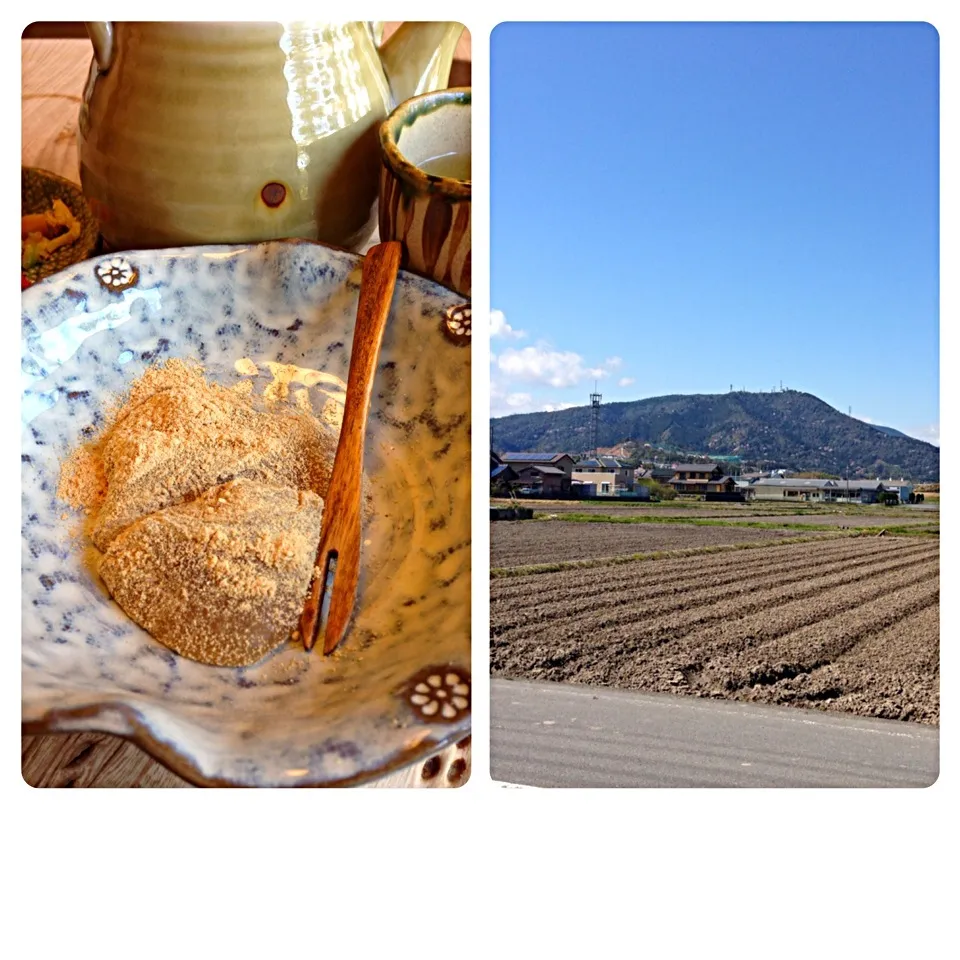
566	735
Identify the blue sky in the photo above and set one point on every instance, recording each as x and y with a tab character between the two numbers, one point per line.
680	207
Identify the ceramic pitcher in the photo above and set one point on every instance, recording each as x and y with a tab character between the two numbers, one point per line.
239	132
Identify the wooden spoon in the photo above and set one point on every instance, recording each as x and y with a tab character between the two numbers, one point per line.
338	556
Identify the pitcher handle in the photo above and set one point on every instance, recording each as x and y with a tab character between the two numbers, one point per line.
101	35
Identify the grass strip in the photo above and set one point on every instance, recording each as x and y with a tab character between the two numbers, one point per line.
755	507
710	522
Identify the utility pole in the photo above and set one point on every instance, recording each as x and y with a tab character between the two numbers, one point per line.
595	399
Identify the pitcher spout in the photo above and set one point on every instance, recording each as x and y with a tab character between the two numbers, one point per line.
417	58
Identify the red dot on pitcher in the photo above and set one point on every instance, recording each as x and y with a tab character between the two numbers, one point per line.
273	194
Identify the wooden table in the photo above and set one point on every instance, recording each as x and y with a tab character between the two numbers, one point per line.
53	74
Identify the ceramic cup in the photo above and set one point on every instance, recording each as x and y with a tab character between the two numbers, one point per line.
425	185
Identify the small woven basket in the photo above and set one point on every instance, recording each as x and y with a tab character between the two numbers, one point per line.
38	190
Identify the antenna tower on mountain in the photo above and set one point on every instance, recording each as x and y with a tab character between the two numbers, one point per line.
595	400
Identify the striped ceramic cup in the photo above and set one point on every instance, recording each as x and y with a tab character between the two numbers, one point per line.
425	185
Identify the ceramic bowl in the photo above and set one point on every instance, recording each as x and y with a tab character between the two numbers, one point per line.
38	190
295	718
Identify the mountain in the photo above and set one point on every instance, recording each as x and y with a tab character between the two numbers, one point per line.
889	431
785	429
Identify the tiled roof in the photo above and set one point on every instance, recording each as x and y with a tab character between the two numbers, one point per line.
696	467
607	463
549	470
532	457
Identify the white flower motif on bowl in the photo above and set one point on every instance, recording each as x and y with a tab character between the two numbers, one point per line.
440	694
117	273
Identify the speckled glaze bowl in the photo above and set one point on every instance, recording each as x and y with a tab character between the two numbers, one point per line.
398	690
38	190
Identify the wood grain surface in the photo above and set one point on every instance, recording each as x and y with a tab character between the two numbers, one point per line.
338	555
53	73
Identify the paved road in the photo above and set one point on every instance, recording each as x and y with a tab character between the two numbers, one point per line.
564	735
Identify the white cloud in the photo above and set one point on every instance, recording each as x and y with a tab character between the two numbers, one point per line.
553	368
930	433
515	368
517	400
504	401
500	328
625	381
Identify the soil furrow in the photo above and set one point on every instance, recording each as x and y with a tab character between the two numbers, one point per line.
616	655
521	587
824	641
649	599
892	673
516	544
768	615
652	581
847	624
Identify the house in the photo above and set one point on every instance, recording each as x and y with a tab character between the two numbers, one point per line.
701	478
659	474
603	482
502	478
583	491
562	461
546	474
544	481
622	476
502	475
744	487
902	488
798	488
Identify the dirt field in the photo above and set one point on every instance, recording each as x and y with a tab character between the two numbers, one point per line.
843	520
518	543
848	624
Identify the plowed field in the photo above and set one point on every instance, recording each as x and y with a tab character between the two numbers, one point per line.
516	544
848	624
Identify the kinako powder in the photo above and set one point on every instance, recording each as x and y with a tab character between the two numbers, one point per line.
205	506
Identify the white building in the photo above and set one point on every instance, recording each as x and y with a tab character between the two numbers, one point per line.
605	483
797	488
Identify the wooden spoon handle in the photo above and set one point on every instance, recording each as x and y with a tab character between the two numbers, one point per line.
340	535
377	281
